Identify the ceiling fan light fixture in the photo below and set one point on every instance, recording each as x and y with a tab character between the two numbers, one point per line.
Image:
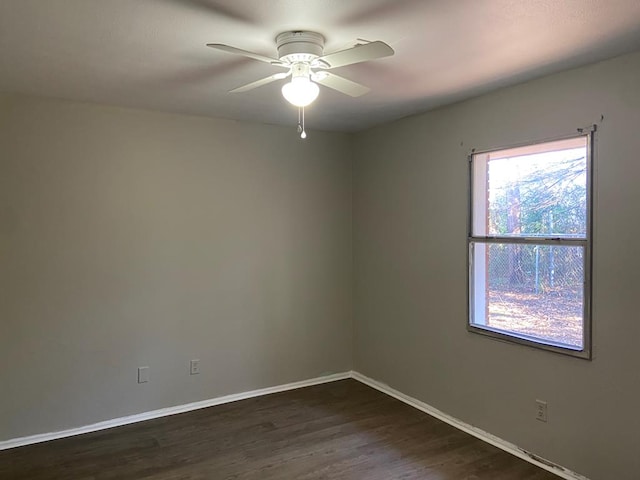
300	91
302	53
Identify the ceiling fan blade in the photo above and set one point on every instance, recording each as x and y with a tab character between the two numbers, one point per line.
245	53
260	83
357	54
340	84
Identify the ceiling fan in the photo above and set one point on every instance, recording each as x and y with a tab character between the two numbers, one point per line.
301	53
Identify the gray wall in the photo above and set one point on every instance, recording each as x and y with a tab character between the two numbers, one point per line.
410	210
133	238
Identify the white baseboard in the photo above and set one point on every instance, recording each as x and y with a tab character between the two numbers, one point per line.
476	432
434	412
164	412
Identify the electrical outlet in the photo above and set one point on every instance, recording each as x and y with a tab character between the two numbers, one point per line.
143	374
195	367
541	411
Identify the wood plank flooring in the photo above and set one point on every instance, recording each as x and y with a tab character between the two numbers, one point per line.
341	430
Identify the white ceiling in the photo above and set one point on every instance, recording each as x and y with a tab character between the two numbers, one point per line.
151	53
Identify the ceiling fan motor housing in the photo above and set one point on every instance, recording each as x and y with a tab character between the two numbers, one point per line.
299	46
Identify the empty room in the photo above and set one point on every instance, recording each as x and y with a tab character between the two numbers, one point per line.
320	239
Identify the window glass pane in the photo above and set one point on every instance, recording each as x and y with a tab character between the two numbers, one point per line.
534	291
536	191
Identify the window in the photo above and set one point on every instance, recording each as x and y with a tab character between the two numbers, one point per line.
530	245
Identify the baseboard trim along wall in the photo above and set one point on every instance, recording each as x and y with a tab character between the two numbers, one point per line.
471	430
164	412
382	387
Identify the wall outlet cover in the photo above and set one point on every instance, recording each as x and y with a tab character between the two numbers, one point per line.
195	367
541	410
143	374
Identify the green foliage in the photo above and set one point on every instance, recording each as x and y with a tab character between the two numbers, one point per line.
549	201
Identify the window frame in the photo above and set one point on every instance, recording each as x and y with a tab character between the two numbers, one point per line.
586	244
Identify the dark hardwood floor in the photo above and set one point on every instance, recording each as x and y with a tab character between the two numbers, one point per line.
340	430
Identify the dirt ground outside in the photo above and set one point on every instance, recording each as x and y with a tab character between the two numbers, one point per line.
553	315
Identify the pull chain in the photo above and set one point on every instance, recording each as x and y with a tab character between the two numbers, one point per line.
301	130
